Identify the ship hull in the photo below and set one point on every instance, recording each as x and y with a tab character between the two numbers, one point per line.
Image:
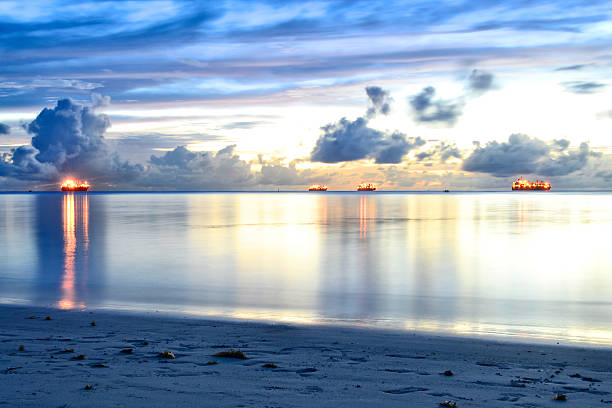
366	189
75	188
317	189
531	189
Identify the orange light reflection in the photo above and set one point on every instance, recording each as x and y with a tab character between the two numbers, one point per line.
70	218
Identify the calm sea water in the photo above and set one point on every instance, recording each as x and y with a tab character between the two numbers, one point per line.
533	264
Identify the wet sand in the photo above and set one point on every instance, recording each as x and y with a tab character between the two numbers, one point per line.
68	361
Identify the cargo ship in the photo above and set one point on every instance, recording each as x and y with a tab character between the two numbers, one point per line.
524	184
72	185
316	187
366	187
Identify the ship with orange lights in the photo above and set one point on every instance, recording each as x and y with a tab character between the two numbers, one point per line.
526	185
75	185
316	187
366	187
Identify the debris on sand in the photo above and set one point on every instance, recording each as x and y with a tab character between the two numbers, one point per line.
448	404
270	365
232	354
448	373
127	351
560	397
166	354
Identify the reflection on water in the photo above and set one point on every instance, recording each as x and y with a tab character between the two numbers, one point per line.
514	263
76	232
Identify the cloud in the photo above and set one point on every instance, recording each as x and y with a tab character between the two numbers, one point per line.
396	147
4	129
67	132
572	67
525	155
68	138
380	101
349	140
480	81
442	152
183	169
276	174
439	111
99	101
583	87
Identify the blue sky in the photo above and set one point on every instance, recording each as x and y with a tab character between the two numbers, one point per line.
283	86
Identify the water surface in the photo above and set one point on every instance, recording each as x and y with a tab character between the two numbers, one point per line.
532	264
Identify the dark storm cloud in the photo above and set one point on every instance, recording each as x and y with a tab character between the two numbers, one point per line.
480	81
4	129
436	111
349	140
525	155
583	87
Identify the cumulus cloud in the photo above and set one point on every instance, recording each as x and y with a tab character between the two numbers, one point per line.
349	140
99	101
68	138
276	174
181	168
480	81
525	155
395	147
583	87
4	129
427	109
442	152
380	101
67	132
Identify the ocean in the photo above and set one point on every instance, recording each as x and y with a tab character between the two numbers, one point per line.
534	265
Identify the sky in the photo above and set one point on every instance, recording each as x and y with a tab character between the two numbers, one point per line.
260	95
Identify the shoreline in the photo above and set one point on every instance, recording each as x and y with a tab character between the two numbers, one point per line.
308	365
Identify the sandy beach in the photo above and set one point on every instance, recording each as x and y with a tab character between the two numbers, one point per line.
115	359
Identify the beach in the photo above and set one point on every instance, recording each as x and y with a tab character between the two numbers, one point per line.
101	358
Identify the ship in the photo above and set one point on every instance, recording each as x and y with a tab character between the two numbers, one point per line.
316	187
75	185
366	187
524	184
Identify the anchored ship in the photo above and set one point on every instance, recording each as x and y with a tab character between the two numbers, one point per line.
366	187
75	185
316	187
524	184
